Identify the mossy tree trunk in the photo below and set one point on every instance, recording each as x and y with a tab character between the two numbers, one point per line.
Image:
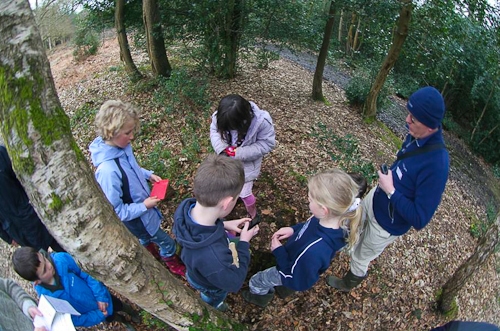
317	91
485	248
154	37
61	184
125	55
400	33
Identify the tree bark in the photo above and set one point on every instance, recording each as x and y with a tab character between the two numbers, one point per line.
154	37
132	71
485	248
61	184
370	108
317	90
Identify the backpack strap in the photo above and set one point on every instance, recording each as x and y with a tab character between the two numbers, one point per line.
127	198
135	226
424	149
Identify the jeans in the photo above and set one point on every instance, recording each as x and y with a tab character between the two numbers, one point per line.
164	241
214	297
264	282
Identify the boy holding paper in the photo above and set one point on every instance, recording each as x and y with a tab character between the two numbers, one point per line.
124	182
57	275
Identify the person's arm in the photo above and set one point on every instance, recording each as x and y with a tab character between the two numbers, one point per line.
301	273
4	235
111	184
100	291
18	295
265	143
218	144
429	188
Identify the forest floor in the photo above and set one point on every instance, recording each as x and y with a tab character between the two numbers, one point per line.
400	292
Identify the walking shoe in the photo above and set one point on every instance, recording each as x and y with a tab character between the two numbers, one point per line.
223	307
345	284
175	265
258	300
153	249
283	291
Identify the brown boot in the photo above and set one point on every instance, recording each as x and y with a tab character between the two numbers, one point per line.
175	265
153	249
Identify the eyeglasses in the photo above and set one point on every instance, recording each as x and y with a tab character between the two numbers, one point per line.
413	119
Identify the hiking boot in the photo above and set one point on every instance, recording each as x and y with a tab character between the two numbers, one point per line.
345	284
223	307
153	249
258	300
283	291
175	265
134	315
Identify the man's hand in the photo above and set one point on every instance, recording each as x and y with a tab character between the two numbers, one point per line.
385	181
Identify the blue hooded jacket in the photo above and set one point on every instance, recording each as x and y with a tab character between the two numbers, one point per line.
79	289
307	253
110	179
206	254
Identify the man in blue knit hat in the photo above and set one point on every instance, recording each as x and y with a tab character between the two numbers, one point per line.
409	194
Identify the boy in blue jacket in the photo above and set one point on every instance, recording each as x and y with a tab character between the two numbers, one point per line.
57	275
212	267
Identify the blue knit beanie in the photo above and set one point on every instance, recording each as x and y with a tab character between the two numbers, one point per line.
427	106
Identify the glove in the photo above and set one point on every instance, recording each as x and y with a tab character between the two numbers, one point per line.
230	151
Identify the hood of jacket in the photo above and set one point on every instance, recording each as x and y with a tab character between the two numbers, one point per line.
191	236
101	152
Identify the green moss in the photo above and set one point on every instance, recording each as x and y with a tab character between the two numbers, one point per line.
204	323
450	314
389	137
17	95
57	203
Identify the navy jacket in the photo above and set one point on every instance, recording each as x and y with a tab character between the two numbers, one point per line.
307	254
420	181
206	254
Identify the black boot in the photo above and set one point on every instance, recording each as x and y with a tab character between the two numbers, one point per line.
283	291
134	315
345	284
258	300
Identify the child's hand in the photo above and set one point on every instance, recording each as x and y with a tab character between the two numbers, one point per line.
275	243
34	311
103	306
230	151
246	234
235	225
283	233
154	178
151	202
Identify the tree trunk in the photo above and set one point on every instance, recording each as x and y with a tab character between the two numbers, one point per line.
132	71
370	108
62	188
233	35
341	22
482	113
154	37
485	248
317	91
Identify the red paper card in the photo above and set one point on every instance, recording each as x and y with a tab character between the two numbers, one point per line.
160	189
